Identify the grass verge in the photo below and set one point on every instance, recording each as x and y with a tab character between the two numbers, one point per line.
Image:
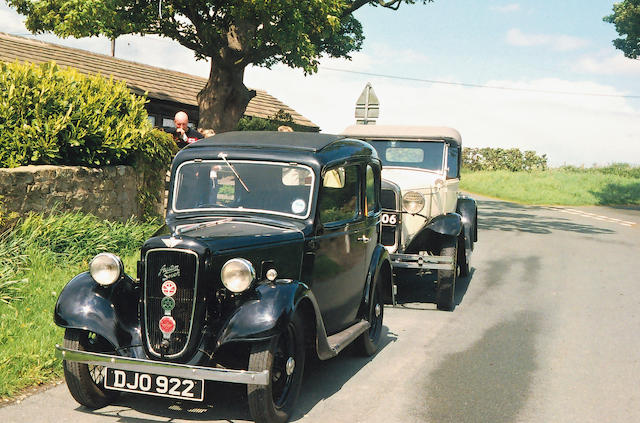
53	249
564	186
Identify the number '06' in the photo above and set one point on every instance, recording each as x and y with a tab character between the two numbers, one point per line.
390	219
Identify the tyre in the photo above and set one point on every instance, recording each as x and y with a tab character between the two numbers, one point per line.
86	382
284	357
446	285
463	263
367	344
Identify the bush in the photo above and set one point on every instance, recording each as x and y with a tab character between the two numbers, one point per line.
249	123
50	115
624	170
511	159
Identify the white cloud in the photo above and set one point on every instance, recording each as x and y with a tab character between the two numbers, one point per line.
506	8
12	23
556	42
608	65
569	129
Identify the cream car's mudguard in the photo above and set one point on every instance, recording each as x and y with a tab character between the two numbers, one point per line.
430	237
468	209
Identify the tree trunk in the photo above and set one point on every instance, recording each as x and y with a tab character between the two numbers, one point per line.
224	98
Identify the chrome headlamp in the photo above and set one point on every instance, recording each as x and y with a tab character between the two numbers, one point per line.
237	274
106	268
413	202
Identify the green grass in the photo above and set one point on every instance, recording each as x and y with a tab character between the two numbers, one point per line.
53	250
564	186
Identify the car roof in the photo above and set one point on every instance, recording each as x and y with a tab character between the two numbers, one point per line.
304	141
302	147
403	132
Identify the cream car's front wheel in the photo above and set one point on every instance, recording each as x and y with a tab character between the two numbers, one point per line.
446	285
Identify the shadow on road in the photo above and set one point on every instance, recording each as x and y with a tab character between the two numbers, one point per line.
490	381
325	378
505	216
228	401
419	292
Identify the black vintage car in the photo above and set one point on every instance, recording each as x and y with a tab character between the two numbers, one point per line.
271	248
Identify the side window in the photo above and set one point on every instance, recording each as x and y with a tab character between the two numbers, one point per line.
371	198
338	200
452	162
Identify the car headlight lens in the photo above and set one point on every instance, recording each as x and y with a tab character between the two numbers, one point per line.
106	268
237	274
413	202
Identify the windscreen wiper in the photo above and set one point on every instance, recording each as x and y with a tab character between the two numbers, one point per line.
223	156
195	226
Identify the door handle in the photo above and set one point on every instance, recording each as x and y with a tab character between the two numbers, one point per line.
364	239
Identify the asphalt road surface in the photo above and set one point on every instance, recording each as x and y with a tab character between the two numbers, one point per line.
547	329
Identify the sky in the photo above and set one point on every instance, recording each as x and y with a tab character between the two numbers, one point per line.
564	90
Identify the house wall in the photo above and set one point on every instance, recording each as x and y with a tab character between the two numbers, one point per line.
108	192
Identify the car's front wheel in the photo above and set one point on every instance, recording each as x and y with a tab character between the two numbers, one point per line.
284	357
86	382
446	285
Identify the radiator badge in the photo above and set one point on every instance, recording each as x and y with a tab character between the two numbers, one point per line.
169	288
168	304
168	272
171	242
167	326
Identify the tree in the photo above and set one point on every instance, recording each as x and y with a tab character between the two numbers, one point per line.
626	18
233	34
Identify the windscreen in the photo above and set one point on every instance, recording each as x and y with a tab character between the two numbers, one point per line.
419	154
279	188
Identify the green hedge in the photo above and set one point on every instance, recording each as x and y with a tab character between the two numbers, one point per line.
511	159
51	115
281	117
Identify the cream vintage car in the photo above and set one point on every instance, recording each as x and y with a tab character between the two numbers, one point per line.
427	225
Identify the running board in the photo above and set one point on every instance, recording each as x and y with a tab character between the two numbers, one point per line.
341	340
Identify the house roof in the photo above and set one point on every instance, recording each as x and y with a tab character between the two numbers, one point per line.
160	84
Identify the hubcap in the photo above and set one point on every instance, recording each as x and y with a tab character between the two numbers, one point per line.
290	366
378	310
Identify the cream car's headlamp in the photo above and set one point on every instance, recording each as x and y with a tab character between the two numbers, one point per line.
237	274
106	268
413	202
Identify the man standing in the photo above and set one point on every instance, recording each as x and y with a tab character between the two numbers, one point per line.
183	135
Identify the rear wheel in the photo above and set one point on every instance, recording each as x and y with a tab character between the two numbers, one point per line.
86	382
367	344
284	357
446	285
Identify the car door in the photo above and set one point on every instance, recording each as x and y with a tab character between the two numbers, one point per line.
338	273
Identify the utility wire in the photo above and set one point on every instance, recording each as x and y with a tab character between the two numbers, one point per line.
464	84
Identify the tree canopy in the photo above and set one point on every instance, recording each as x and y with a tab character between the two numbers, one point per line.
234	34
626	18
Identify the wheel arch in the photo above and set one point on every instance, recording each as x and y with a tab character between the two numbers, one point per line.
109	311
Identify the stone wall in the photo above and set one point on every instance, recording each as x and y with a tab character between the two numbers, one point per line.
108	192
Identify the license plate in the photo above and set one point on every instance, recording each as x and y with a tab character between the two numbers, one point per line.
150	384
389	218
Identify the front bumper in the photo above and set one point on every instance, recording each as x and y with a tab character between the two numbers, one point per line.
422	261
163	368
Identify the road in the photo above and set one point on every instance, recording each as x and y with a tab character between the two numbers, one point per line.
547	329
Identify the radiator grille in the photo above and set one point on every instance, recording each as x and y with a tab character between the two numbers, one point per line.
181	267
388	199
388	237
